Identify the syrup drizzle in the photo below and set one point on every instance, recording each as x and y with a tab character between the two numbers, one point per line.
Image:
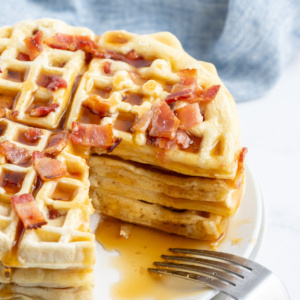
137	253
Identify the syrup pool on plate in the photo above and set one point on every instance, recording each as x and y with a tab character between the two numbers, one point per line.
137	252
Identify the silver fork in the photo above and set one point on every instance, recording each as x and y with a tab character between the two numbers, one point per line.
235	276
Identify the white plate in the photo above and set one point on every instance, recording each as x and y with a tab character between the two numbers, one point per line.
244	237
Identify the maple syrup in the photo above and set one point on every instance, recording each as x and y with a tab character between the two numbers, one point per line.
102	92
88	117
8	100
137	253
124	122
137	79
11	181
10	258
37	184
16	76
37	102
194	146
2	128
20	138
63	192
133	99
45	79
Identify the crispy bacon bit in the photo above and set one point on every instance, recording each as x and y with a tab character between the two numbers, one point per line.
23	57
205	95
97	105
13	153
132	55
34	45
183	139
143	123
164	143
106	67
28	211
0	70
54	213
33	134
56	83
188	90
91	135
164	123
84	43
57	143
186	87
189	116
2	112
240	170
48	168
42	111
181	95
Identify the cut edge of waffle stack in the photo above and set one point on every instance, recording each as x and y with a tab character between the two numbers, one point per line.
127	99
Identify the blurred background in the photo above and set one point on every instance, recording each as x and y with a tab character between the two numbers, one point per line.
255	46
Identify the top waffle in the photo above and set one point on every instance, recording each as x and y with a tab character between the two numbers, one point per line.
121	77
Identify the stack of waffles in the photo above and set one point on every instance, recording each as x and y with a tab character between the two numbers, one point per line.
129	125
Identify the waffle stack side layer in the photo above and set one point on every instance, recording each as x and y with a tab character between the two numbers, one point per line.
129	125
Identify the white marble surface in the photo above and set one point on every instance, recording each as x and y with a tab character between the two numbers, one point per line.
271	131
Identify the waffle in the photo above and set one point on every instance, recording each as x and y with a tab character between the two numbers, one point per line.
129	125
132	90
156	186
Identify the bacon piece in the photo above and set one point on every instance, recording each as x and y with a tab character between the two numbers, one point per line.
33	134
84	43
56	83
183	139
48	168
164	143
189	116
57	143
164	123
143	123
23	57
205	95
34	45
54	213
2	112
42	111
106	67
13	153
97	105
186	87
28	211
91	135
181	95
132	55
240	170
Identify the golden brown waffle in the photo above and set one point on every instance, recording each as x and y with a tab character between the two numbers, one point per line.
66	241
56	77
132	90
156	186
11	292
22	82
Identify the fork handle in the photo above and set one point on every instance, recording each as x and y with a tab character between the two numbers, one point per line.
270	288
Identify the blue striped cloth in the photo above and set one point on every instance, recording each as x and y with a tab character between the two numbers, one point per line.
250	42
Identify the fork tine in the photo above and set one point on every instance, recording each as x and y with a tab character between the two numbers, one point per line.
208	262
242	262
209	281
224	276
